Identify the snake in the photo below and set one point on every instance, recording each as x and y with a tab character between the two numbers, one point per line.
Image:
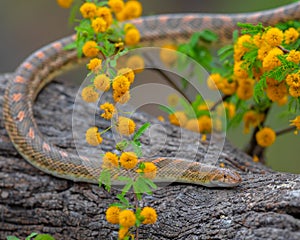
42	66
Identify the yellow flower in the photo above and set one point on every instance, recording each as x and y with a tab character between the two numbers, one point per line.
258	39
109	110
228	87
245	89
149	170
294	91
123	232
93	137
239	48
116	5
105	13
252	118
173	99
90	49
239	70
265	137
127	218
125	126
95	65
178	118
88	10
293	79
296	122
112	214
263	51
192	125
128	73
294	56
291	35
132	9
121	97
132	36
271	60
205	124
102	82
121	84
64	3
149	215
276	92
255	158
136	63
88	94
214	81
230	108
274	37
168	54
161	118
110	160
128	160
99	25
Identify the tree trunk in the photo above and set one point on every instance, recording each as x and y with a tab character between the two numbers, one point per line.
265	206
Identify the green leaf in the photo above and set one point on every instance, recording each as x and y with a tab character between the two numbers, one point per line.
31	236
141	130
208	36
70	46
168	110
137	149
121	146
105	179
187	108
12	238
43	237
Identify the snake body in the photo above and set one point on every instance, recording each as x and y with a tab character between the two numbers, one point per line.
43	65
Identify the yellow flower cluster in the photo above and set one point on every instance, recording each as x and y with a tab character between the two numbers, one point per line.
293	82
131	9
127	218
265	137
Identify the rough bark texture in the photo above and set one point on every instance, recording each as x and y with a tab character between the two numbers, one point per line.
265	206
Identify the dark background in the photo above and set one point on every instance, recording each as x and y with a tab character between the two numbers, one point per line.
28	25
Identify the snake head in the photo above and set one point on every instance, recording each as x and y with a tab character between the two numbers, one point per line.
225	178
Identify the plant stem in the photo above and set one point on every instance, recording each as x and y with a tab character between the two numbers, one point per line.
285	130
219	102
136	207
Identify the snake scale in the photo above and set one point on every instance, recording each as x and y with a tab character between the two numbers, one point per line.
43	65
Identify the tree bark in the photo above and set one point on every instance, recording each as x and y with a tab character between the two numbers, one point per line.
265	206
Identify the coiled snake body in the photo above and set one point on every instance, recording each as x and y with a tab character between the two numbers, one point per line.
43	65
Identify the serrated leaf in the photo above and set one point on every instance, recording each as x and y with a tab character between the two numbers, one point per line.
208	36
141	130
105	179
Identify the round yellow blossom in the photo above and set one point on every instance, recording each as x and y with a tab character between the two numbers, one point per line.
93	137
132	9
293	79
149	214
121	84
178	118
149	170
263	51
296	122
214	81
102	82
168	54
64	3
123	232
90	49
116	5
125	126
252	118
294	91
271	60
245	89
109	110
239	48
273	37
265	137
110	160
99	25
88	10
291	35
128	73
294	56
258	39
161	118
89	94
276	92
95	65
136	63
128	26
239	70
127	218
128	160
173	99
132	36
121	97
205	124
105	13
192	125
228	87
112	214
282	101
